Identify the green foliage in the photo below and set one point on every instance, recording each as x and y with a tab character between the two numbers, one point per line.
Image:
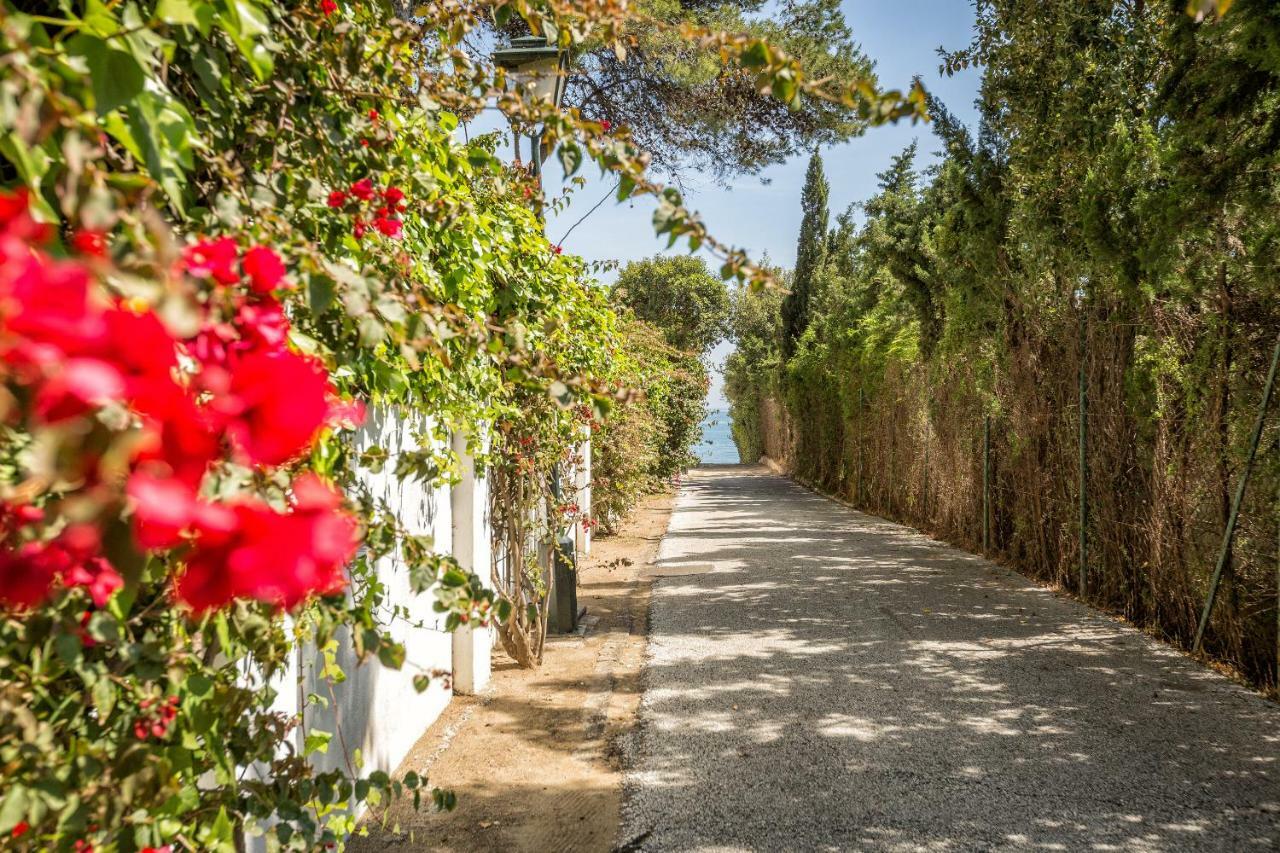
678	296
750	370
811	250
649	439
1123	180
671	92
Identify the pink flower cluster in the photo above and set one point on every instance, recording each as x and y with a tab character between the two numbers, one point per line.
233	390
373	209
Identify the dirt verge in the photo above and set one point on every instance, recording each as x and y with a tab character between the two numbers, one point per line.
535	761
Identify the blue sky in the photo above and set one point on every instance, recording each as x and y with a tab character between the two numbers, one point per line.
902	38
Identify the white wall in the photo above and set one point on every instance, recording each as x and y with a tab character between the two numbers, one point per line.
377	710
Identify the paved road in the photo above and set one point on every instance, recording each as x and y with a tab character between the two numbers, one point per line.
837	682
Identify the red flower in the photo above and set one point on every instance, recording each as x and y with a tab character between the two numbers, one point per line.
328	7
17	516
20	829
347	413
46	309
264	268
88	241
392	228
393	195
263	325
80	387
557	249
337	198
252	551
27	573
98	577
163	510
145	353
373	115
359	228
277	403
606	125
363	189
182	443
214	259
16	220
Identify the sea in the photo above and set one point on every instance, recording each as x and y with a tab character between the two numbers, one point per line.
717	447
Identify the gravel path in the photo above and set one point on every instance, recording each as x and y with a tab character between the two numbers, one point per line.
825	680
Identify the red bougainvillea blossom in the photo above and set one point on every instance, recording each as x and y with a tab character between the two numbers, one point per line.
214	259
377	210
29	571
233	390
154	718
264	268
247	549
328	7
363	189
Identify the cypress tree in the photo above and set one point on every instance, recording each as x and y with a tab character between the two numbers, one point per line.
810	253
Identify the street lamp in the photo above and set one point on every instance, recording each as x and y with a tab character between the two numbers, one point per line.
541	67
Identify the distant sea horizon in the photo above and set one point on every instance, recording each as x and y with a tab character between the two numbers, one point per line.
717	447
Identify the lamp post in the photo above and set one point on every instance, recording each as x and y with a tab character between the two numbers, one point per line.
543	68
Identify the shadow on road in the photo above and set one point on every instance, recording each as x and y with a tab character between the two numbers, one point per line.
839	681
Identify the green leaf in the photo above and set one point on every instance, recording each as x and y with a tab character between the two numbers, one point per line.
316	741
186	13
570	157
104	697
103	627
69	649
115	76
99	20
320	293
391	655
222	831
244	23
165	135
13	808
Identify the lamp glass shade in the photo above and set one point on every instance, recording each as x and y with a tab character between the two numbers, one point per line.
534	63
542	76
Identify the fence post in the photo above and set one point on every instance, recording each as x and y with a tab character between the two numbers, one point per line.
1229	533
986	484
1084	463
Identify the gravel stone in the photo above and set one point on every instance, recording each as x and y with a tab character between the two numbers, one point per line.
838	682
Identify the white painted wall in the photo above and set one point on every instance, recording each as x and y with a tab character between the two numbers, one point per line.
377	710
473	549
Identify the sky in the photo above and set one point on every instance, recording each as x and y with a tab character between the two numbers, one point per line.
762	213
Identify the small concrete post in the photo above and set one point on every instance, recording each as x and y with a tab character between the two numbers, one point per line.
469	501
